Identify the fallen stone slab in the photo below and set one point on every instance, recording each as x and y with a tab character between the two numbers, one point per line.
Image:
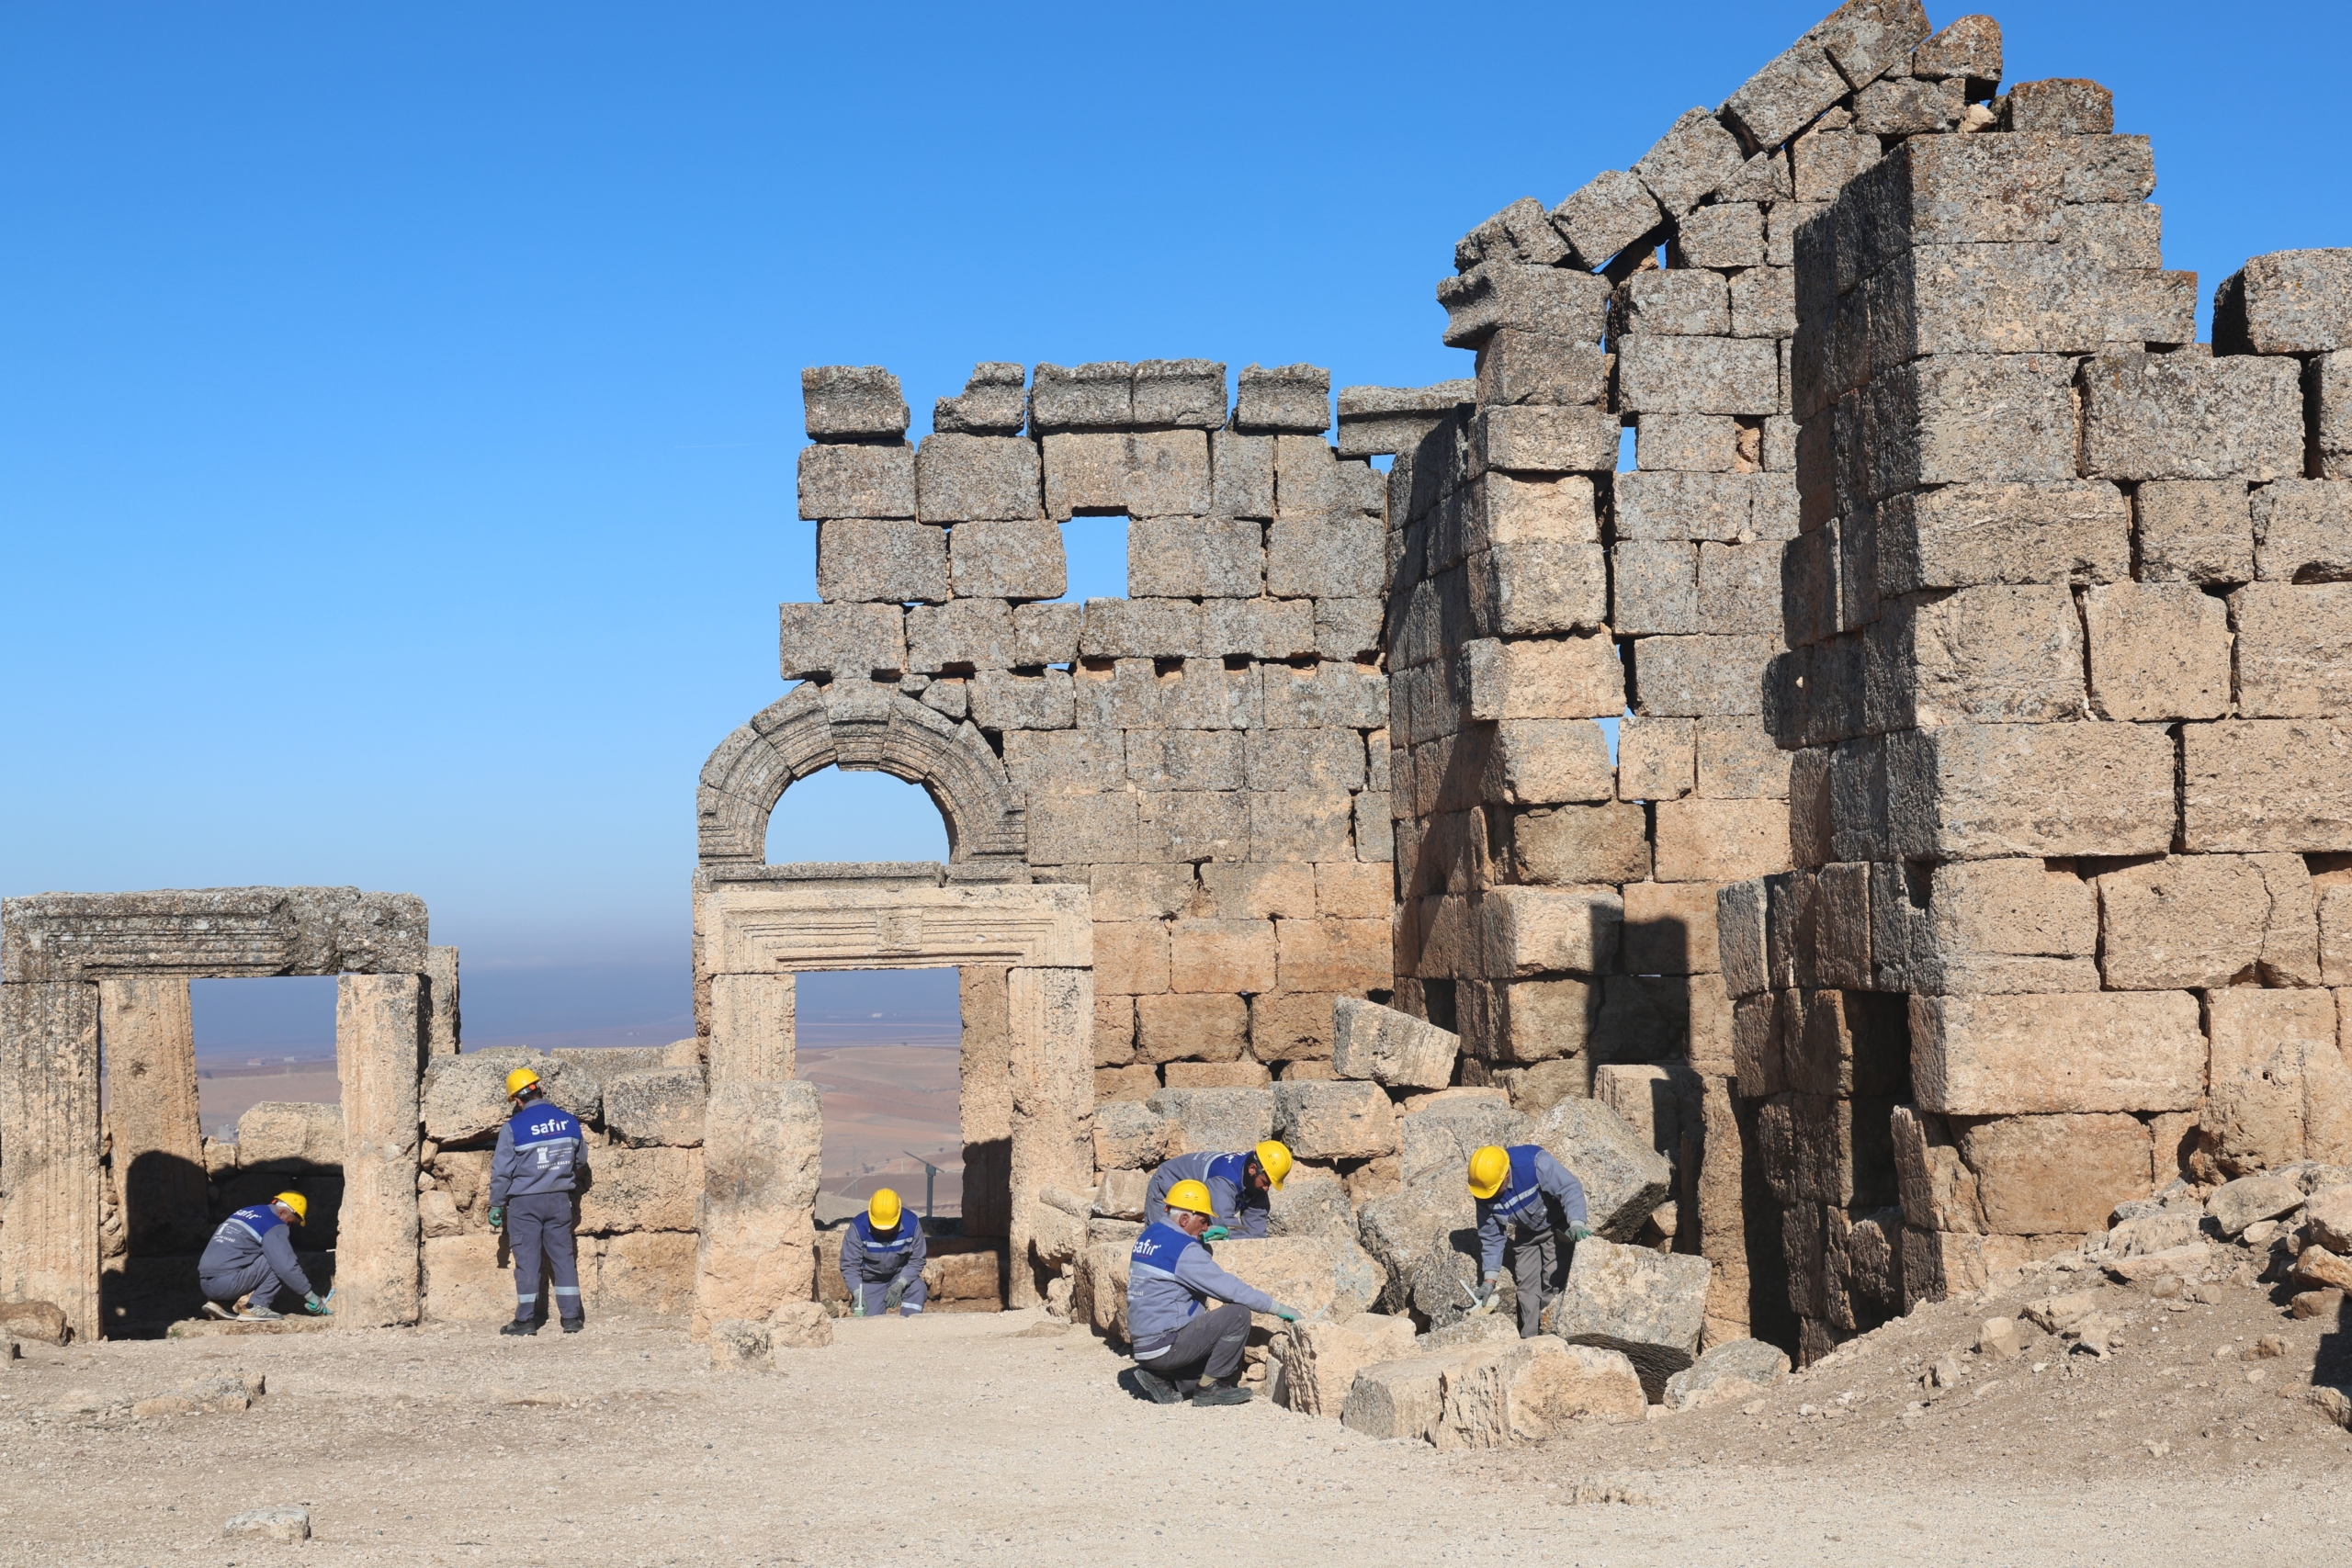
1122	1194
2328	1218
215	1328
1497	1327
1317	1363
1317	1274
1650	1306
1553	1384
41	1321
1312	1202
2321	1267
284	1524
1337	1120
2238	1205
1624	1179
1738	1370
1405	1399
1055	1236
1369	1040
2154	1233
2055	1315
1435	1142
2187	1262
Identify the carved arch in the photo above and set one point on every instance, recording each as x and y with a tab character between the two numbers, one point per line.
857	726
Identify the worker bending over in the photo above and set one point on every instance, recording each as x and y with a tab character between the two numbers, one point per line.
1525	1191
1237	1186
1179	1349
542	1154
253	1254
882	1257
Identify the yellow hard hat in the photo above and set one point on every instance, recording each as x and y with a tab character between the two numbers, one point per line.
1273	1158
884	1210
299	1204
518	1081
1192	1197
1488	1166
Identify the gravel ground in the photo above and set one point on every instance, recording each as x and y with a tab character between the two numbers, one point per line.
1008	1438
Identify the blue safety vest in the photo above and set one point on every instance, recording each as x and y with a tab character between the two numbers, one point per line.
902	1235
1521	1201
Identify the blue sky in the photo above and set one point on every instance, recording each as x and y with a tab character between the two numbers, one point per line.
398	430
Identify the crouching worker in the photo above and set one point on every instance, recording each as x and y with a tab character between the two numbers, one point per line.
1526	1191
1237	1186
1179	1349
542	1154
253	1254
882	1259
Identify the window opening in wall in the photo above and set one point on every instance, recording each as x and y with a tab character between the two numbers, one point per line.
853	814
1094	552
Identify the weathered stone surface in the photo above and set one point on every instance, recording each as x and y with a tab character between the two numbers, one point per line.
1296	398
2302	530
380	1030
2203	920
1325	1275
1699	375
1720	840
1606	214
1334	1121
880	560
2195	531
2280	1089
2255	784
1214	1120
2054	1174
2328	1218
761	1159
1730	1373
2158	651
1164	474
993	403
285	1523
1507	296
1980	791
641	1189
1648	1305
2082	1052
280	1135
2188	416
1582	844
858	481
2068	532
464	1096
156	1141
1319	1361
216	932
658	1105
2238	1205
1694	158
853	403
2286	302
1390	1048
1574	677
1536	931
1404	1399
2294	650
1623	1178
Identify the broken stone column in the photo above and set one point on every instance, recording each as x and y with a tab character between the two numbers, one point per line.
149	1041
442	1031
762	1156
50	1178
1050	1025
751	1028
380	1045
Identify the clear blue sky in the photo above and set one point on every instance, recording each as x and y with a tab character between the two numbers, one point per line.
397	436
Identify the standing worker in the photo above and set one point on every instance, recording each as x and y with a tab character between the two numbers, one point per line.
882	1257
1536	1196
253	1254
1177	1348
1238	1185
542	1154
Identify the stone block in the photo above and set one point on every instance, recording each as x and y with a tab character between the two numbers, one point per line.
1174	1026
1114	1030
1335	696
1969	533
853	403
1335	1120
1659	508
1319	1361
1100	396
1648	1306
1689	162
858	481
2286	302
641	1189
1656	587
1131	957
993	403
1189	825
2327	390
1732	1372
1217	1075
1992	655
1294	398
2045	1175
2187	416
1161	474
1334	955
1914	107
1194	556
2294	650
1531	588
2195	531
1699	375
1720	840
2206	921
1671	927
1970	418
762	1145
1700	676
1578	844
1537	931
2302	532
961	478
960	633
1216	1119
1823	162
1324	557
2257	784
852	641
1379	421
1509	296
1008	560
1545	438
1657	758
1001	699
1404	1400
1737	760
1785	96
1624	1179
464	1096
1290	1028
1688	443
1983	791
280	1135
1189	393
1687	302
877	559
1436	1139
1727	235
1739	588
2068	1053
1574	677
1130	1135
1606	214
1516	367
1388	1047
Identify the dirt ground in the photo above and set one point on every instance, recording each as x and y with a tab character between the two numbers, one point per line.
1009	1439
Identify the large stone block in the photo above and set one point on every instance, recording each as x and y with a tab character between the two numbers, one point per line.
2273	784
1648	1306
468	1279
1319	1361
2160	650
2199	921
1335	1120
1689	162
1988	655
1499	296
1291	398
1982	791
464	1096
280	1135
1574	677
1216	1121
1537	931
1624	1179
852	641
2280	1092
861	559
1404	1400
2286	302
1732	1372
993	402
2072	532
2055	1175
2188	416
2294	651
1320	1275
643	1274
1582	844
762	1154
853	403
858	481
961	478
2302	530
1196	556
641	1189
1009	560
1606	214
1179	1026
1390	1048
1188	393
657	1105
1165	474
1720	840
2074	1052
2195	531
1985	927
1699	375
1700	676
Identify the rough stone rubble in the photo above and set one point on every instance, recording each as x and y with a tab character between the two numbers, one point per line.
1967	865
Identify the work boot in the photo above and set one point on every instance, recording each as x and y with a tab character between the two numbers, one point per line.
574	1324
1161	1390
214	1309
520	1329
1218	1393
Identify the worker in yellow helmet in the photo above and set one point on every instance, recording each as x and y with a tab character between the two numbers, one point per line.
542	1154
1237	1184
253	1254
882	1259
1524	1191
1179	1349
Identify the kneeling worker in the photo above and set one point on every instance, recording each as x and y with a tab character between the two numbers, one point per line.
1536	1196
253	1253
882	1257
1237	1186
541	1156
1177	1348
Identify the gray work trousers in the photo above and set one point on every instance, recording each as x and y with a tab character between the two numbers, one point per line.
539	1224
876	1295
1206	1349
256	1278
1537	1274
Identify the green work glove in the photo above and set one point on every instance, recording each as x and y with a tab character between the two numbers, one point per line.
1578	1233
315	1307
1216	1233
1287	1313
497	1216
